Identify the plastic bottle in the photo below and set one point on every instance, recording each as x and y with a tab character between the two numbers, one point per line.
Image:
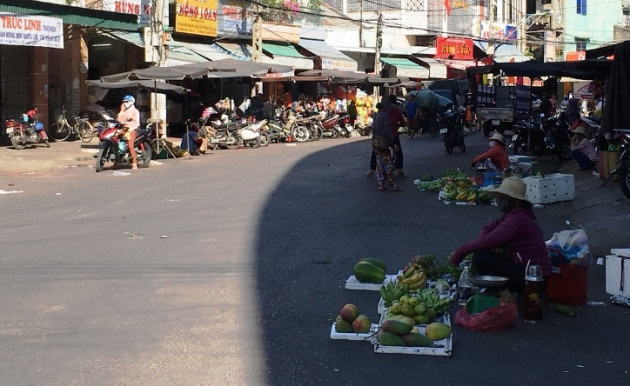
122	146
463	285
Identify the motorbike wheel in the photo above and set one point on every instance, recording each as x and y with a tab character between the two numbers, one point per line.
103	157
254	143
85	131
265	139
625	180
60	132
319	132
433	129
448	144
144	152
300	134
15	141
233	141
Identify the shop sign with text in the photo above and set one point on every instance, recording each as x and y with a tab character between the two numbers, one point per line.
132	7
34	31
197	17
454	48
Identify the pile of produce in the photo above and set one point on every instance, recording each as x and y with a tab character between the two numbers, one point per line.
350	320
399	333
421	307
369	270
455	185
393	291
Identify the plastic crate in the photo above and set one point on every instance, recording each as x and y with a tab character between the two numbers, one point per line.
552	188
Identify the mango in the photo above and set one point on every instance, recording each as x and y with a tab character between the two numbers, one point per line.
349	312
396	326
416	340
389	339
343	326
438	331
361	324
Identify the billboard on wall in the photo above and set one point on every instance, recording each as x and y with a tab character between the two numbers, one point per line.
452	16
132	7
235	18
34	31
196	17
454	48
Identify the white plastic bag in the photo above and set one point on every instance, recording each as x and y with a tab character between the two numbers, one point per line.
573	244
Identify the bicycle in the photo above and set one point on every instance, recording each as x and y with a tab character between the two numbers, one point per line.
82	128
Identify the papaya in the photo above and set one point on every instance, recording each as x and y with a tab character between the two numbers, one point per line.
426	177
438	331
389	339
366	272
396	326
414	339
377	262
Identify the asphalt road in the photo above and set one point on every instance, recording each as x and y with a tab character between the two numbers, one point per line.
229	269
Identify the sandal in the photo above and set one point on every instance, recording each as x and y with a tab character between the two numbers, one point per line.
395	188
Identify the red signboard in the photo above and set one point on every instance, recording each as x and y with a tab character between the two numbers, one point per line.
454	48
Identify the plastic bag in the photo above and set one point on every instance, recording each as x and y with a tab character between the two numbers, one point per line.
492	319
574	246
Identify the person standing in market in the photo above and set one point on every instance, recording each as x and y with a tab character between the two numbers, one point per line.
352	112
382	140
505	246
411	113
129	117
396	120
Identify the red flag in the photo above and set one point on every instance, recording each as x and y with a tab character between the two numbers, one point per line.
447	5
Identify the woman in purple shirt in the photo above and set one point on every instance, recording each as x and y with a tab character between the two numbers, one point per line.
507	244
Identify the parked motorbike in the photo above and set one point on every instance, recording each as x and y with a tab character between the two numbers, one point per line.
329	126
114	149
222	133
622	168
541	137
27	131
253	134
452	129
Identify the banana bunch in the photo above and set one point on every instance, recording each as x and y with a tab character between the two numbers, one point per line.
414	278
431	298
392	292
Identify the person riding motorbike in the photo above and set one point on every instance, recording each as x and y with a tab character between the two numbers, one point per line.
129	117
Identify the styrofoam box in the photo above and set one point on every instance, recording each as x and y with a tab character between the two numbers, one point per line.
625	252
443	347
617	275
369	336
552	188
353	284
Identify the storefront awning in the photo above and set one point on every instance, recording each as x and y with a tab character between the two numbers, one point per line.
134	38
180	54
437	70
503	52
285	53
332	59
405	67
208	51
239	51
72	15
461	65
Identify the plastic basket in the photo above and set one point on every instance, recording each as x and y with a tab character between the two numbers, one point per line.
567	283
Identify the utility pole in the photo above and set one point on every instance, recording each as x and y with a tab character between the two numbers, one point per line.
157	101
361	25
257	42
377	52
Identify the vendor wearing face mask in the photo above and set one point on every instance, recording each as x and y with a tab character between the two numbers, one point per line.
507	244
496	157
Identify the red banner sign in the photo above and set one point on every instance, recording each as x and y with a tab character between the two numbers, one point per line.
454	48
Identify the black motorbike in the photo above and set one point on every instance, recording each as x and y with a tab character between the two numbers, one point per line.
452	129
114	149
622	168
542	136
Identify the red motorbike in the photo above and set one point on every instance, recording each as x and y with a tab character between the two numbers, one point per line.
113	148
27	131
330	126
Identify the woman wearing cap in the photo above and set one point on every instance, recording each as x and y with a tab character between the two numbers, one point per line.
129	116
582	149
505	246
496	157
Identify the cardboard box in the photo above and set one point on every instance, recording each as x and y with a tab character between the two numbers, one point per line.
552	188
618	275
